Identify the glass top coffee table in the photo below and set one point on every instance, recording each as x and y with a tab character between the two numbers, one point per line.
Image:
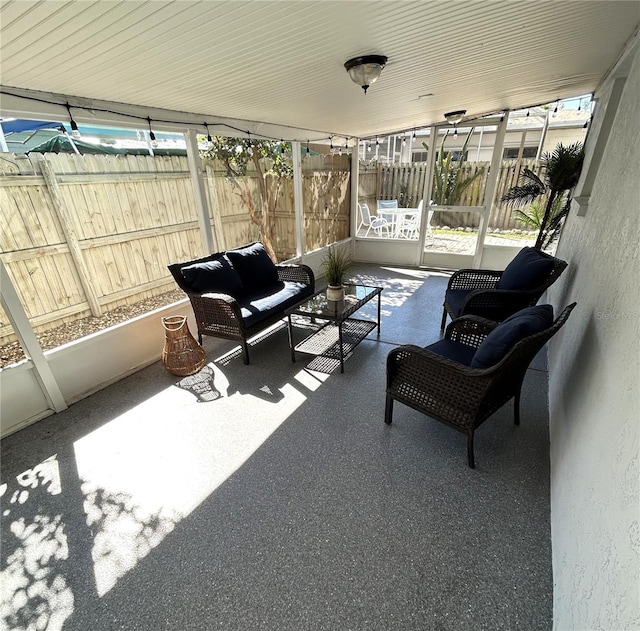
341	333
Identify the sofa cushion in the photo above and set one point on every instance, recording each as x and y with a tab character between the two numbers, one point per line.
254	266
455	299
528	270
506	335
274	299
217	276
455	351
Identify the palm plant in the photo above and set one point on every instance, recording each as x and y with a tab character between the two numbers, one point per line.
532	217
448	180
562	169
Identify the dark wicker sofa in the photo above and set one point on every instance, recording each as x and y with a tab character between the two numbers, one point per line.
240	292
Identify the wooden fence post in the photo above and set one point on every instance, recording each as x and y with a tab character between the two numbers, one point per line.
70	235
218	231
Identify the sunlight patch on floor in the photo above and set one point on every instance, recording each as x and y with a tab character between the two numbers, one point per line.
150	467
311	379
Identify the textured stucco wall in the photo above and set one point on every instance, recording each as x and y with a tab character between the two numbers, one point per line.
594	392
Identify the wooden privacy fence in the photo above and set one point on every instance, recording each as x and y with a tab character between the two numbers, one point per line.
405	182
81	235
325	198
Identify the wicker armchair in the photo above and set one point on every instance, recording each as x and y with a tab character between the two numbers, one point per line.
478	292
221	315
454	393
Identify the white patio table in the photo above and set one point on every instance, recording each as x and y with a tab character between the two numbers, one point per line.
396	217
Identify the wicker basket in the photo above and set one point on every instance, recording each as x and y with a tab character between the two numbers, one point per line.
181	354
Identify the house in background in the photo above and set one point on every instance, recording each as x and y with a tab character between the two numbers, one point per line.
530	133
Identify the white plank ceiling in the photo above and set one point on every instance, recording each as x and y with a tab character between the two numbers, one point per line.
282	62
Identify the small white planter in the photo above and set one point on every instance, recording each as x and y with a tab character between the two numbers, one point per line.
335	292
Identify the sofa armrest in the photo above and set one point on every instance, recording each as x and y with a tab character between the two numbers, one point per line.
296	273
498	304
215	309
436	385
470	330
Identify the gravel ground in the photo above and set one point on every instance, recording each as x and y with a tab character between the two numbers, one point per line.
12	352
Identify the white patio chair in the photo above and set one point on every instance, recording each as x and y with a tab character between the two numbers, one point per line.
387	203
410	223
371	222
429	230
392	217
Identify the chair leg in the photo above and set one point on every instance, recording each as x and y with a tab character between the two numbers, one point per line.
516	409
444	319
245	352
388	410
470	457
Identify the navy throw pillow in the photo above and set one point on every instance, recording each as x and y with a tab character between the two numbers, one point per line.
214	276
254	266
528	270
506	335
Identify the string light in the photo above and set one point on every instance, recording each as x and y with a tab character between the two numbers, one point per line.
404	141
152	136
377	142
528	113
368	145
413	137
74	126
331	145
139	117
209	139
308	151
555	111
282	148
455	131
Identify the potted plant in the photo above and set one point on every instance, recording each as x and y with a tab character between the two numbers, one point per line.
336	264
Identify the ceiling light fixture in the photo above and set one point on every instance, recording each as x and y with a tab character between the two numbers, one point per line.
365	70
455	117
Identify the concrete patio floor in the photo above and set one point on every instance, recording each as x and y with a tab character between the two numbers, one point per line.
271	496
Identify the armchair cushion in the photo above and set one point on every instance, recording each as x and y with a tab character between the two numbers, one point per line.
455	351
501	340
528	270
455	299
254	266
213	276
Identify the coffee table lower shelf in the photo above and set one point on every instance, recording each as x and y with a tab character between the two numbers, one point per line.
325	342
